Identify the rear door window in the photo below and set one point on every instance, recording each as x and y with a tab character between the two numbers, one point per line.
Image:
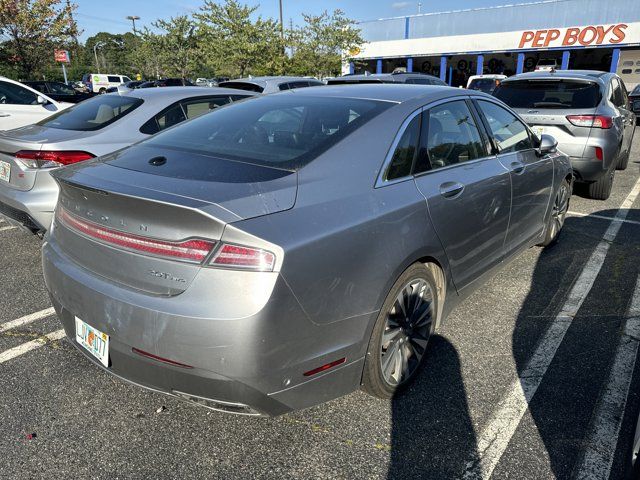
93	114
405	151
452	136
509	134
549	94
197	107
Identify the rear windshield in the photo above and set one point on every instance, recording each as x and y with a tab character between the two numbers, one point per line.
549	94
249	87
283	131
483	84
92	114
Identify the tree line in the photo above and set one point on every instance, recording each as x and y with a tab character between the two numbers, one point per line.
222	38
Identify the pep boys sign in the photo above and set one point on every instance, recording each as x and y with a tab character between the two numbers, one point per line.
578	36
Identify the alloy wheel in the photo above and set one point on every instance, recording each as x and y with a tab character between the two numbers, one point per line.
559	211
407	331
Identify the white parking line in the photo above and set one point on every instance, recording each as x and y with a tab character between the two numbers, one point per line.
603	436
600	217
32	317
4	229
27	347
496	435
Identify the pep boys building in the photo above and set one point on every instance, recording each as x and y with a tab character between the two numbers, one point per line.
577	34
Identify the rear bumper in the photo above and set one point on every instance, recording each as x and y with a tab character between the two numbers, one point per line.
31	209
588	170
252	365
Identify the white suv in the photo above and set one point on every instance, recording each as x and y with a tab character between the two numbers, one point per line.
21	105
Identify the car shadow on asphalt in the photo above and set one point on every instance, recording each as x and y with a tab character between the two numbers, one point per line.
431	429
563	405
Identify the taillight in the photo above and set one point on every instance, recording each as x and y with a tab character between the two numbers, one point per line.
591	121
235	256
195	250
50	159
599	153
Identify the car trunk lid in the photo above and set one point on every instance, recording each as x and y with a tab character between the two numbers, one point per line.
121	196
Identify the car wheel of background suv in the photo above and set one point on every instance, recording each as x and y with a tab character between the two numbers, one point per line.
601	189
401	334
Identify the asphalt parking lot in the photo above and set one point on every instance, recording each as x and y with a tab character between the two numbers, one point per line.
533	377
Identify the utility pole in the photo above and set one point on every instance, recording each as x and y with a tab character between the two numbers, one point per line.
419	7
95	54
133	19
281	24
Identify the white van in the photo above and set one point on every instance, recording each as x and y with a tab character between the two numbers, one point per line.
629	68
99	82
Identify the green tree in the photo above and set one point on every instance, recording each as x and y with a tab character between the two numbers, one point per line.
32	29
177	44
317	47
237	45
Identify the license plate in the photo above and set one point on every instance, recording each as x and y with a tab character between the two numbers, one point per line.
92	339
5	171
539	131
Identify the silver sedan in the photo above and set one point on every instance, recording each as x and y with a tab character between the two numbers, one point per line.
89	129
290	249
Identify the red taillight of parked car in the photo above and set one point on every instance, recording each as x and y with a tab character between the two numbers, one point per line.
247	258
194	250
51	159
591	121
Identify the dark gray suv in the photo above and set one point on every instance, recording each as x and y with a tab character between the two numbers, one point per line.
587	112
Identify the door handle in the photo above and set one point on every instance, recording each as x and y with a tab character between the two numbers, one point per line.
451	189
5	114
517	167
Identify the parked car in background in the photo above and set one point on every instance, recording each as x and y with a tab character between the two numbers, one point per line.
215	81
270	84
22	105
98	83
634	98
59	91
166	82
396	77
89	129
239	262
586	111
485	83
546	65
202	82
127	85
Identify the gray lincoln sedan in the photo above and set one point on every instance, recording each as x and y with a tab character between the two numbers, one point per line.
281	252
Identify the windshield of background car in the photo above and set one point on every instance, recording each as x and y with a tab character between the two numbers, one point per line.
92	114
636	91
61	89
549	94
482	84
282	131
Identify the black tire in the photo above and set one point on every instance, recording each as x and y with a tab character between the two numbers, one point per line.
601	189
411	336
558	214
102	91
623	161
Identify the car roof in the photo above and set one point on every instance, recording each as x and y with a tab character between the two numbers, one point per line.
566	74
392	77
177	93
388	92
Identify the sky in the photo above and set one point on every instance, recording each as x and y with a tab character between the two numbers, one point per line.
96	16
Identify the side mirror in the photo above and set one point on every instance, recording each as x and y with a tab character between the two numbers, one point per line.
42	101
548	144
